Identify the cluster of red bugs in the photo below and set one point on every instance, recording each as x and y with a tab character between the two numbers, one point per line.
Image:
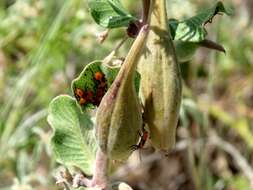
84	97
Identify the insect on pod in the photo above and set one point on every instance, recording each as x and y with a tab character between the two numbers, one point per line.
119	117
143	139
160	81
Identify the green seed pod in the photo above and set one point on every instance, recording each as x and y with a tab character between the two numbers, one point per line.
160	81
119	115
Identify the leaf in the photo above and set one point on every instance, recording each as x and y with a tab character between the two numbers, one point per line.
186	50
73	142
190	34
110	13
192	29
212	45
88	90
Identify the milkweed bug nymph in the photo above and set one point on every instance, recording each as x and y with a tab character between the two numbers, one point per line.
79	92
98	76
101	87
79	96
143	139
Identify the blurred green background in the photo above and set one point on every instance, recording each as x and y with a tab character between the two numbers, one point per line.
44	44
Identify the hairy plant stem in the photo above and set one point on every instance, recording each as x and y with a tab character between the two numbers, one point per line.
100	177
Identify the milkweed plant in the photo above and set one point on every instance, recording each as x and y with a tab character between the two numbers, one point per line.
115	108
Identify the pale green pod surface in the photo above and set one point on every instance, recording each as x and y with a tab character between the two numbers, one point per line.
160	81
119	115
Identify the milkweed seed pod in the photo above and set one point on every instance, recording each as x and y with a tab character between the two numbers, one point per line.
160	81
119	116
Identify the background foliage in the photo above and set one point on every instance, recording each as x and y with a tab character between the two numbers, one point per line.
45	44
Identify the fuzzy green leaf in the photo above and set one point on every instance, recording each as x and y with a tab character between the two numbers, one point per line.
185	50
73	142
192	29
91	88
110	13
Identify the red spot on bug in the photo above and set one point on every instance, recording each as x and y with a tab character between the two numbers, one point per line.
79	92
99	76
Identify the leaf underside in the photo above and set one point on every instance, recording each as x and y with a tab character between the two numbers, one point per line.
73	142
110	13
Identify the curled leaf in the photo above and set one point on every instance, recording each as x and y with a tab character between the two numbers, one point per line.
94	81
193	29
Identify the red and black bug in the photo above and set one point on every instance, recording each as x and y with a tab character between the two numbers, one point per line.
143	139
101	87
79	94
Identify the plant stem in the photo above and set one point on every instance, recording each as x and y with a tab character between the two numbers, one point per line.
146	11
109	57
100	177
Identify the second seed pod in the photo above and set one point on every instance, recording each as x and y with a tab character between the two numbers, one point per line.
160	81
